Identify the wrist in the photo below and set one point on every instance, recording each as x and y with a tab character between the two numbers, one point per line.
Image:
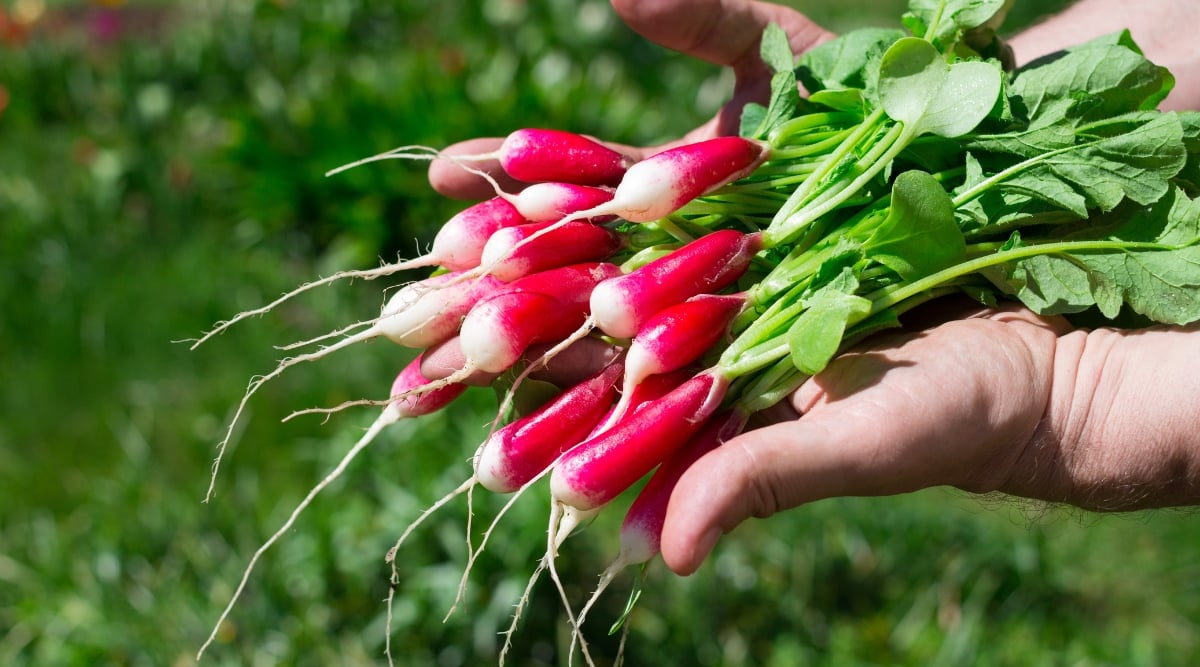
1120	429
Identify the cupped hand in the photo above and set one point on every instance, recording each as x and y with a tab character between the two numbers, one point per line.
723	32
955	404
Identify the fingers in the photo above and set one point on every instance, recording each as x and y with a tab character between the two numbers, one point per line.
760	473
579	361
722	32
954	405
452	180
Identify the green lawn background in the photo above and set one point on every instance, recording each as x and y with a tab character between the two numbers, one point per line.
161	168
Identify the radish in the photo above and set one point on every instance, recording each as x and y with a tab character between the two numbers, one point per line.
517	453
641	531
676	337
547	202
662	183
621	305
442	301
459	244
510	257
424	314
532	155
651	189
599	469
545	306
537	155
405	402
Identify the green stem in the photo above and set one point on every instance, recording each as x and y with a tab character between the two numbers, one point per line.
881	155
890	296
801	194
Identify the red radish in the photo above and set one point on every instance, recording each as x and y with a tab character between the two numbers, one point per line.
623	304
537	155
570	284
641	531
521	450
655	387
497	330
404	403
509	256
599	469
662	183
644	393
547	202
407	404
421	314
655	187
428	312
546	306
674	338
677	335
532	155
459	244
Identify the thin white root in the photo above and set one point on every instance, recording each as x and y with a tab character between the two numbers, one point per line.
384	420
620	659
412	152
474	554
520	608
606	578
254	386
366	274
561	533
326	336
390	558
553	533
337	408
466	486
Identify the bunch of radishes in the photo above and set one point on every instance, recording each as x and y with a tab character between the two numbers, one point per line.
585	251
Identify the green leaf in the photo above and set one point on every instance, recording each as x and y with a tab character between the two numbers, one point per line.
776	52
1100	78
1101	171
943	21
920	236
753	117
848	99
1160	282
1189	175
918	88
816	335
844	62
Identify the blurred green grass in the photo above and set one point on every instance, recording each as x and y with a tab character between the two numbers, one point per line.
161	167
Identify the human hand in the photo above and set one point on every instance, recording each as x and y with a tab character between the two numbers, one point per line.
721	32
949	405
996	400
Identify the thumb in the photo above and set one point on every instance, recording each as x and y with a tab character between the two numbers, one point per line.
824	454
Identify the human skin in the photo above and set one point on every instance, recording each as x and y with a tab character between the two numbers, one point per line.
985	400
